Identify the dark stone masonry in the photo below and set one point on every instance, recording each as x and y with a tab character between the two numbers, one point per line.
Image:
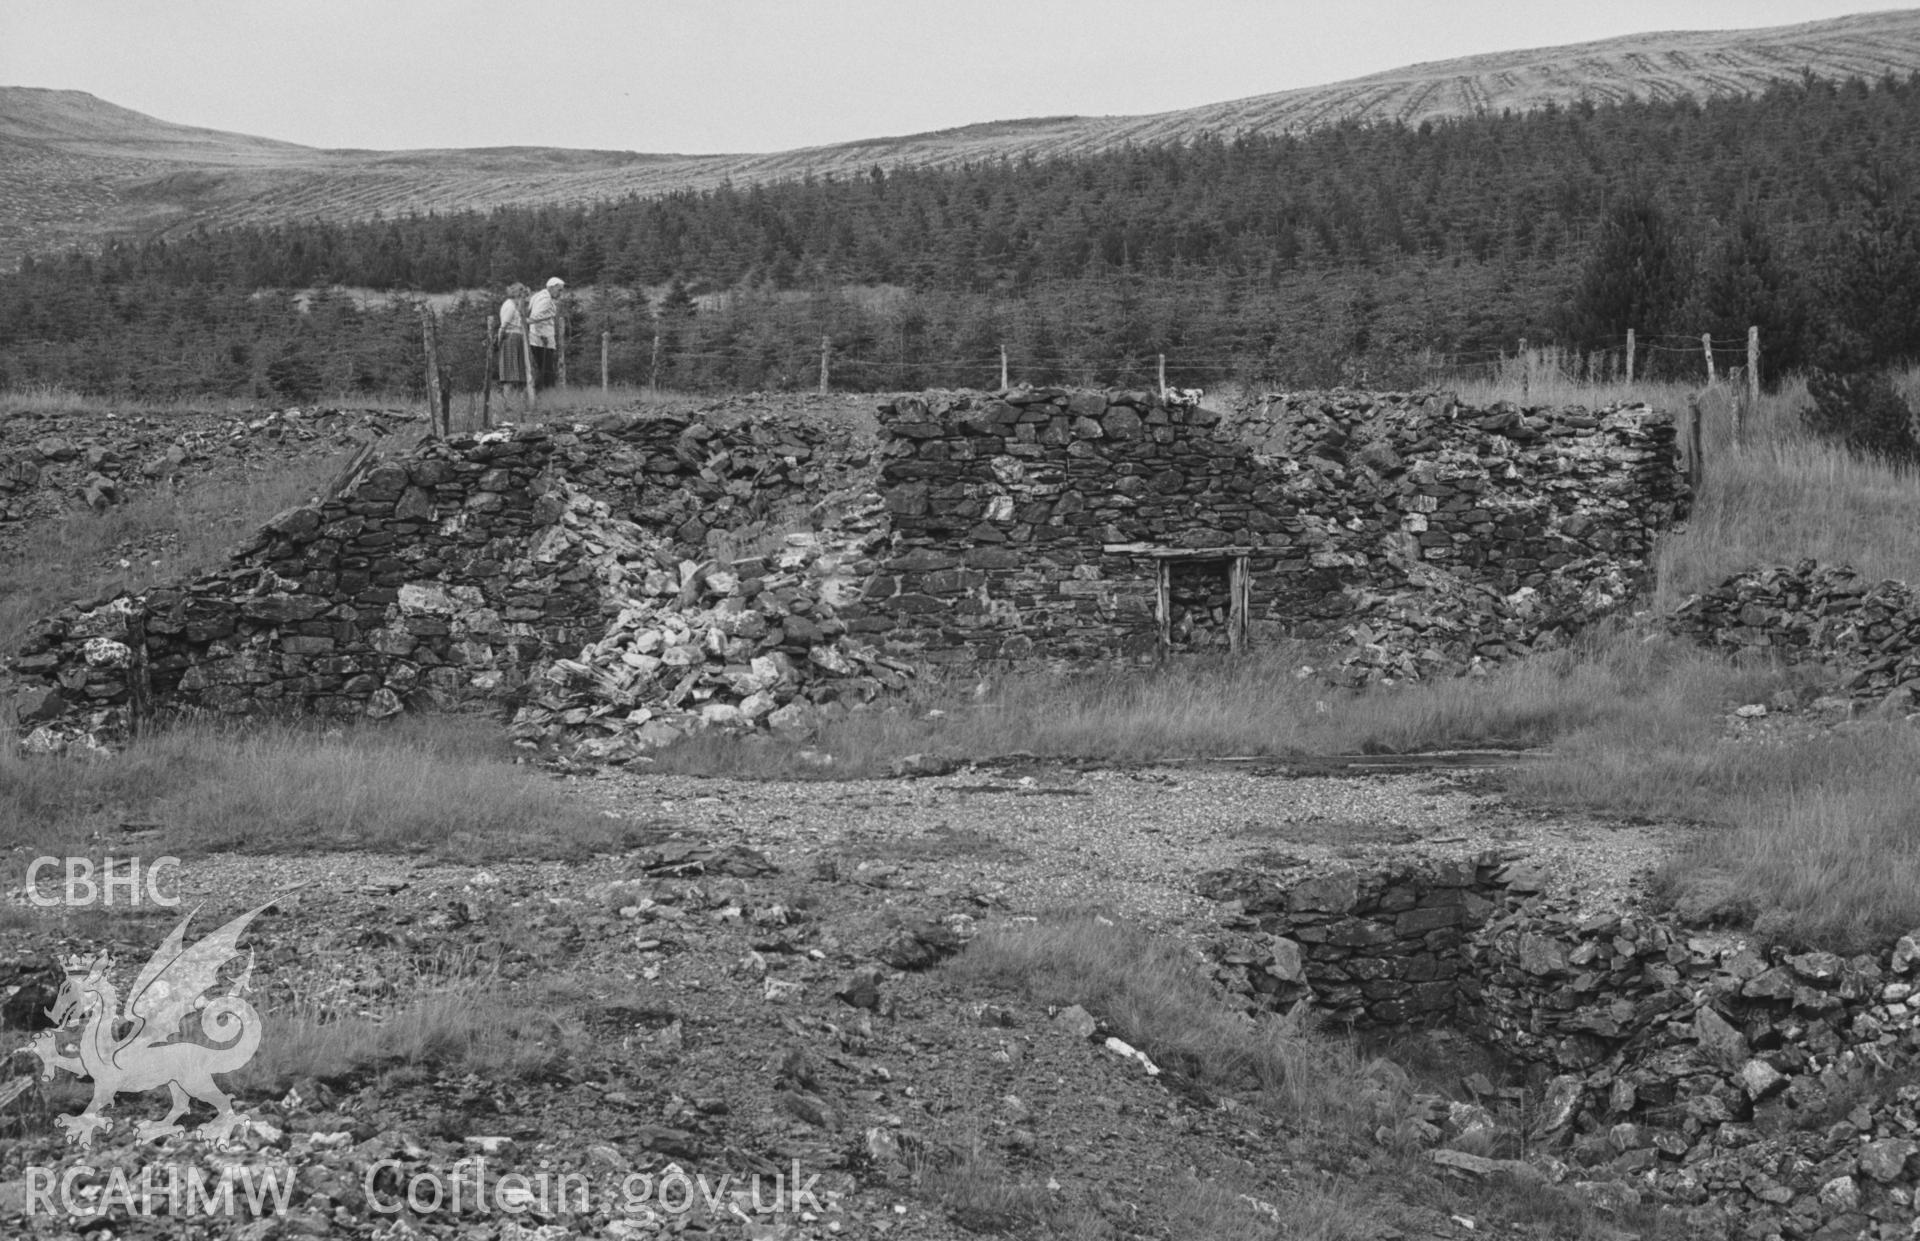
588	576
1866	632
1075	526
443	578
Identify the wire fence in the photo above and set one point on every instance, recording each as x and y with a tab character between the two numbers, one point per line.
827	343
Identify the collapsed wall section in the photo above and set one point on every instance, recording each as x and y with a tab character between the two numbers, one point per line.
427	581
1083	525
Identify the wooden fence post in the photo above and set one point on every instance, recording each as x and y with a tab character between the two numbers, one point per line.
1753	367
1162	370
1706	348
1526	371
826	348
1003	368
559	346
1696	461
435	415
653	367
604	338
493	368
1629	355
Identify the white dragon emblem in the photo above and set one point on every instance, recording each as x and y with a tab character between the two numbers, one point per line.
155	1044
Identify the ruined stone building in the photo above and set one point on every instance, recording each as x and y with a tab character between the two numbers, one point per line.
589	577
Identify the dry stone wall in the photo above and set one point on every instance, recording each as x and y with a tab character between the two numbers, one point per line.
1769	1085
1423	533
1366	948
444	576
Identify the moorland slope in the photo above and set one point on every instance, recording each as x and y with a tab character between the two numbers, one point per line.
75	169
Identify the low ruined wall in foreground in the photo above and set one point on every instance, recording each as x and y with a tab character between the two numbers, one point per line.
1767	1085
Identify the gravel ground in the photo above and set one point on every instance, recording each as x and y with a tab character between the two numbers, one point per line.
717	993
1132	839
1035	839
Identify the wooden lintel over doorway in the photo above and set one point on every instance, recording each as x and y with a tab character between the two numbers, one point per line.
1232	568
1157	552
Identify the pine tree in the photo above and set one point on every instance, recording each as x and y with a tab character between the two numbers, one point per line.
1748	284
1872	282
1637	277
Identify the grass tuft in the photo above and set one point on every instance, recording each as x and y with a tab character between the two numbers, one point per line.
1159	999
465	1027
1808	840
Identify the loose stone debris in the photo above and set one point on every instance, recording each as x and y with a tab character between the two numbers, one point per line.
1760	1089
1869	632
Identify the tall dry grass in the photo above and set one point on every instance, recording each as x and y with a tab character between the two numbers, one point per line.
473	1025
1808	839
1158	999
50	398
444	784
1260	705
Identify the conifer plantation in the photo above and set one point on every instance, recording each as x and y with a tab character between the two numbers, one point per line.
1367	254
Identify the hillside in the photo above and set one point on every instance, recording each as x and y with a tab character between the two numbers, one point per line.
74	168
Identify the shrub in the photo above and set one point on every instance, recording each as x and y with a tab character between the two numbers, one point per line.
1863	411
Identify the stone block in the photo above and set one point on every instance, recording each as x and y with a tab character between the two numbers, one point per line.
1420	921
1334	893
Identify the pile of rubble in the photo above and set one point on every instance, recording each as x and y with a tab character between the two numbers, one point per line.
1441	624
1703	1071
704	643
1869	630
477	568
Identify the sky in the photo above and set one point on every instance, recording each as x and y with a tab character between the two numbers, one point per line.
709	76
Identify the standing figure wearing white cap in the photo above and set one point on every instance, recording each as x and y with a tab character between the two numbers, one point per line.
543	313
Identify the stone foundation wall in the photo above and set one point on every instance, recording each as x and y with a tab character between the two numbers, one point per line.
1365	948
1423	532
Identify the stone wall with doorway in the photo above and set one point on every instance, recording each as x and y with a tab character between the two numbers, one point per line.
1078	525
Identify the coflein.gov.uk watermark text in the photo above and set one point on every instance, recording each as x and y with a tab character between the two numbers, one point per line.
469	1188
